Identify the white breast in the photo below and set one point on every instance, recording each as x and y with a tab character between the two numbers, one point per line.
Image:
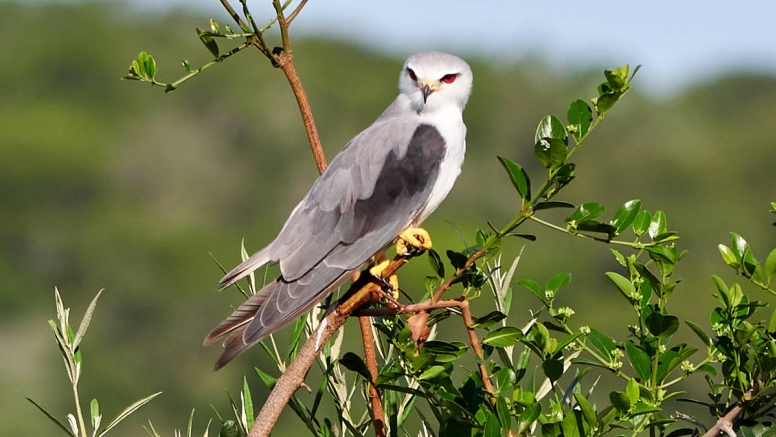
449	122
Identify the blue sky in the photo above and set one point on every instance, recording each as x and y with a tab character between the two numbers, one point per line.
676	42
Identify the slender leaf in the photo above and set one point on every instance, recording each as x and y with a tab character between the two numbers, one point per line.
503	337
624	284
126	412
51	417
557	282
436	263
552	205
700	333
86	320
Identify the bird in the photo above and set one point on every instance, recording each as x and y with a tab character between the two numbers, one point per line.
377	189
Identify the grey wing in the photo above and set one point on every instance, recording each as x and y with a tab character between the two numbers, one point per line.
339	225
369	195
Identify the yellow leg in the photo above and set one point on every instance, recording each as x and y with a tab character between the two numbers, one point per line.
377	271
413	240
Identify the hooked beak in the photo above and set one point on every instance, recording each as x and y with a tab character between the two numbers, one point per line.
427	90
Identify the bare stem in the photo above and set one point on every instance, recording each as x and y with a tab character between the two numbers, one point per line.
370	357
725	423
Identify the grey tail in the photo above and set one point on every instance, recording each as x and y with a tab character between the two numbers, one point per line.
256	260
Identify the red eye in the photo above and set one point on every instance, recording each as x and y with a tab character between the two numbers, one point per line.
412	74
449	78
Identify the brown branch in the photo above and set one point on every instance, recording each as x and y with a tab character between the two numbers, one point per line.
725	423
461	303
475	342
285	62
358	294
446	285
234	14
375	404
296	11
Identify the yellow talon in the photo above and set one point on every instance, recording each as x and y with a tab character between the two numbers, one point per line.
392	281
413	240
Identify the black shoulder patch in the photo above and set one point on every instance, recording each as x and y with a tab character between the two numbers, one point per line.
404	179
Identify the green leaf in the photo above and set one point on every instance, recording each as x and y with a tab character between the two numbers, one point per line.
699	332
602	343
266	378
94	412
553	368
620	401
518	176
248	403
740	246
186	65
588	412
230	429
354	363
214	26
638	359
617	78
127	411
431	373
662	326
533	286
436	263
551	152
772	321
624	284
658	224
488	319
502	410
458	260
552	205
770	266
586	211
551	128
492	426
581	116
51	417
632	391
625	216
529	415
503	337
728	256
557	282
641	223
596	226
209	42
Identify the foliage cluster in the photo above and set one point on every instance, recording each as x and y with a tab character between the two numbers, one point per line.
741	344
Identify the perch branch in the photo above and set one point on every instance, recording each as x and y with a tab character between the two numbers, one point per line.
725	423
370	357
358	294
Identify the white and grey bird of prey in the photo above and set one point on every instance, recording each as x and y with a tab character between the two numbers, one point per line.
387	179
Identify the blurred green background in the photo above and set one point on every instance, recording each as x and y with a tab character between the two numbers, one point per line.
115	185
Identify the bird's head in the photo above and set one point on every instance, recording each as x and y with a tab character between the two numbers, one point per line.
434	79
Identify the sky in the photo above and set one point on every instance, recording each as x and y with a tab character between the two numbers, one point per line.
676	42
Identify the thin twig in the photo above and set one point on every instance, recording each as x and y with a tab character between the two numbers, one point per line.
370	357
296	12
461	303
234	14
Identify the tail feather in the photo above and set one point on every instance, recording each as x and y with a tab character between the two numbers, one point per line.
239	319
256	260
